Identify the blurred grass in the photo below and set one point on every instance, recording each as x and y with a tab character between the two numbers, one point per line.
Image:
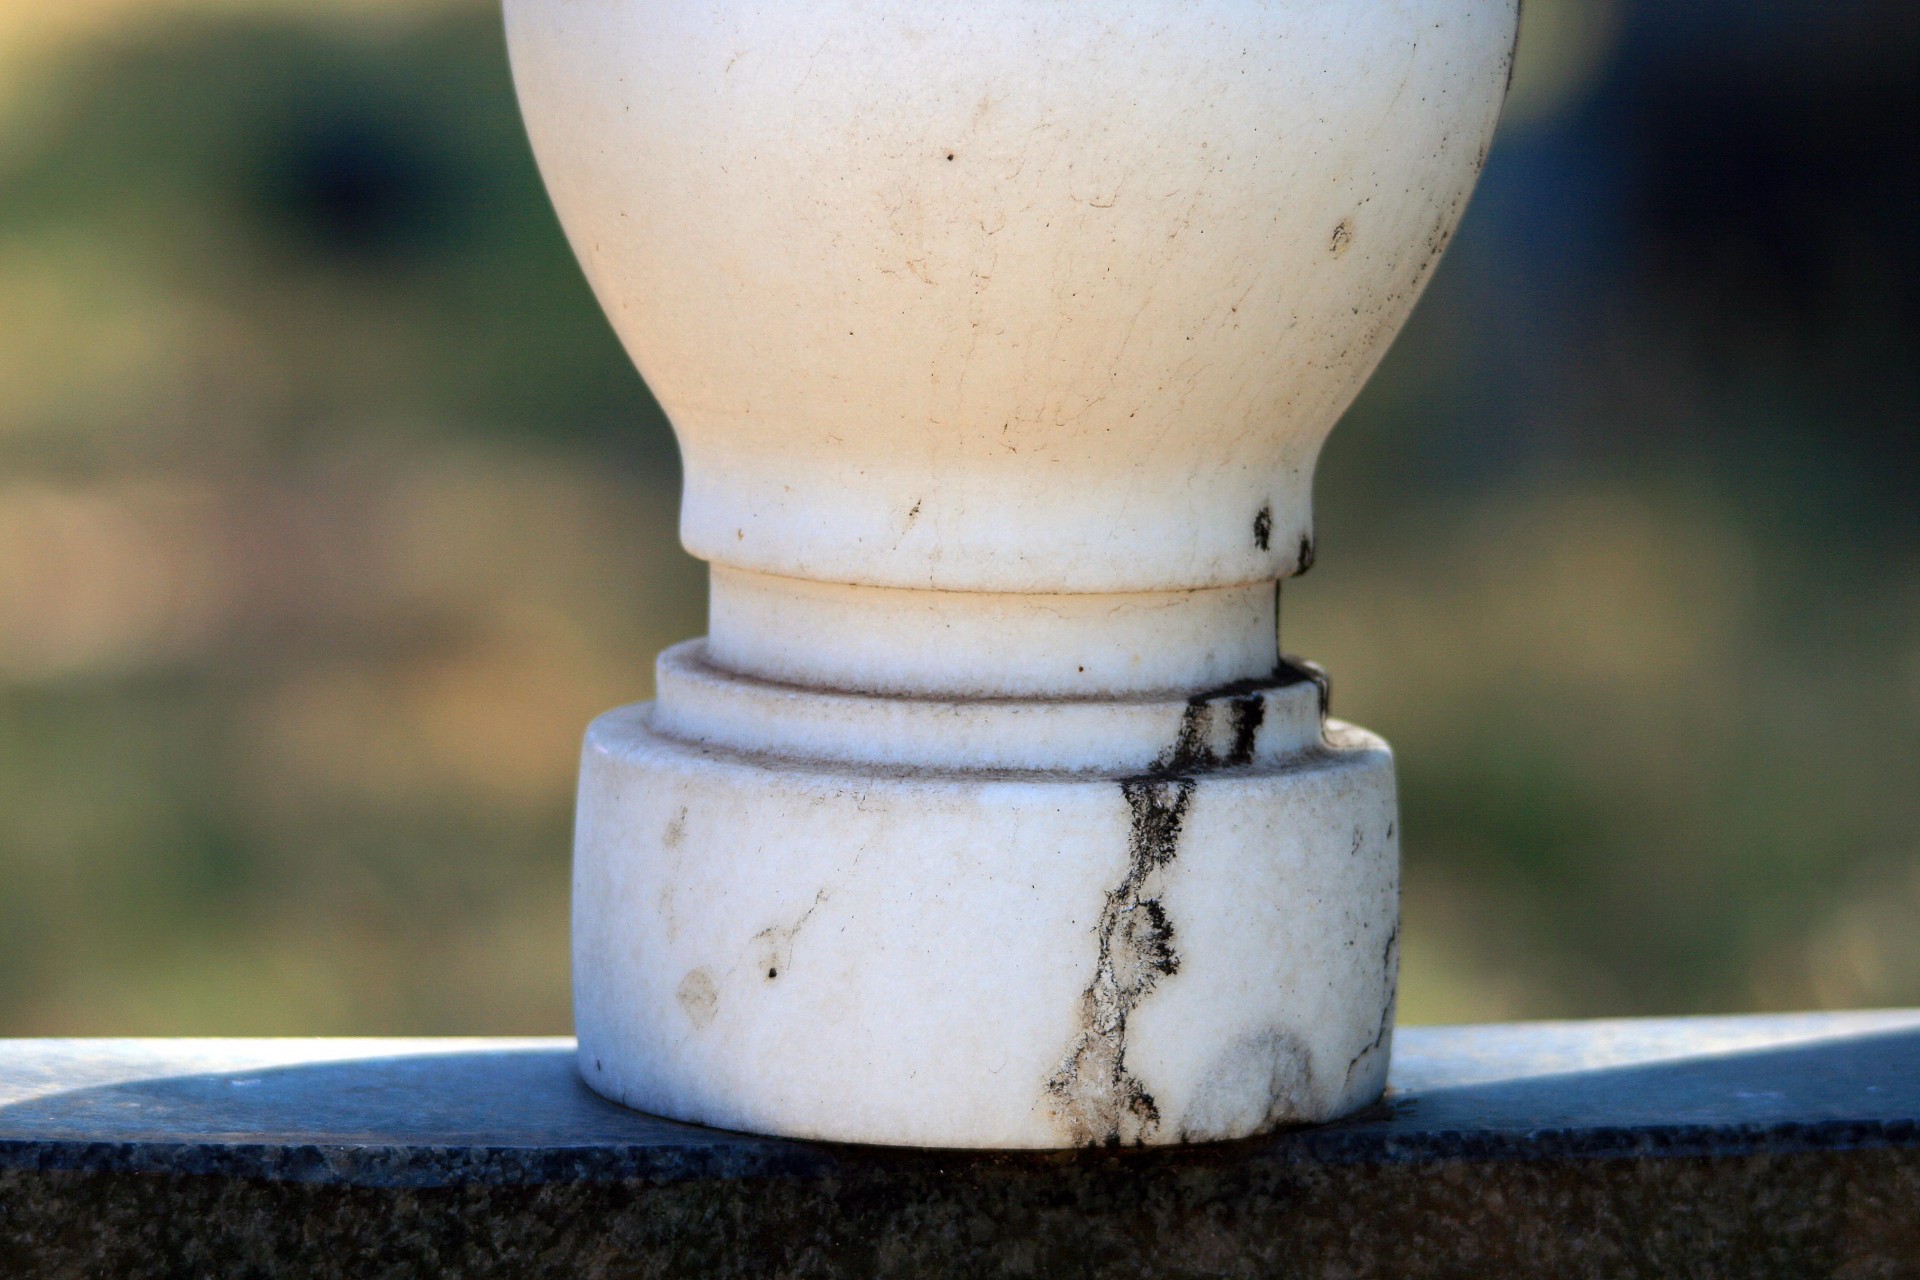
330	511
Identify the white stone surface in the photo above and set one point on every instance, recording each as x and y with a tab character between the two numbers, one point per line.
981	958
990	644
703	704
1000	340
1008	295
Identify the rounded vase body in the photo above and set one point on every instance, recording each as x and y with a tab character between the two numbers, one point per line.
1008	295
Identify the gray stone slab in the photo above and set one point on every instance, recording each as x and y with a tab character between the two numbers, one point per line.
1764	1144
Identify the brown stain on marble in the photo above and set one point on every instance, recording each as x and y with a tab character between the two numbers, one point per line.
699	997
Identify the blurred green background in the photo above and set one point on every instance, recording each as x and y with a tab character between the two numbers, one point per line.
330	512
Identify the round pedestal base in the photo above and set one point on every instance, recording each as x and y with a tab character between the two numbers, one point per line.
975	958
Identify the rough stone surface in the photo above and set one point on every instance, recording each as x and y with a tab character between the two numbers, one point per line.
1751	1146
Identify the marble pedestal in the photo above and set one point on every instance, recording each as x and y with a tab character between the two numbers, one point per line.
911	934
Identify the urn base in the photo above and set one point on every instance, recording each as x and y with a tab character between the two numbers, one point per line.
1193	947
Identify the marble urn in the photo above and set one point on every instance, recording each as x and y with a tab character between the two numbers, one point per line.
1000	340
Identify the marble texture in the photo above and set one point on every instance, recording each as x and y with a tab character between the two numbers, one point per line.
1000	341
975	644
985	958
1261	723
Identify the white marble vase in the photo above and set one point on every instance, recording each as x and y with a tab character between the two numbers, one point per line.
1000	340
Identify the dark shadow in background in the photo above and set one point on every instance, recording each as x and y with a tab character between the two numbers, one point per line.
281	156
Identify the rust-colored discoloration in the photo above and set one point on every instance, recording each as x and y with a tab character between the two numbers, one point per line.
699	997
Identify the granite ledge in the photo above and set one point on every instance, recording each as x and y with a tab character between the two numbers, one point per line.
1785	1145
436	1112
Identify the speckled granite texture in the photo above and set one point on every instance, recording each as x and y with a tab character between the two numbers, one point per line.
1740	1146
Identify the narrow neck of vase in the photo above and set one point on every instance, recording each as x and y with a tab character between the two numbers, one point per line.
965	644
